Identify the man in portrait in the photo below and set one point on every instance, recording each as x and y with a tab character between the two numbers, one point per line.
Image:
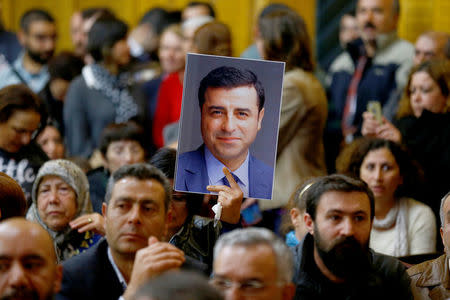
232	109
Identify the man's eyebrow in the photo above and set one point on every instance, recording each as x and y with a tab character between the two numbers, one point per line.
215	107
344	212
242	109
33	256
130	199
28	256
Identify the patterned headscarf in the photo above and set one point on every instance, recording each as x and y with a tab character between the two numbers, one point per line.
77	180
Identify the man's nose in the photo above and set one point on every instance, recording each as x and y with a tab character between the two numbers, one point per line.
229	124
419	58
25	138
17	276
50	44
128	156
347	227
134	215
233	293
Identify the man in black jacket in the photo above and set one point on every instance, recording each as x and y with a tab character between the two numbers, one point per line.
135	211
334	260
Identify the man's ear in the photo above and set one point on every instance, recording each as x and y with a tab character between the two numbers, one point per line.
309	222
106	53
104	209
260	117
21	36
441	230
58	279
294	213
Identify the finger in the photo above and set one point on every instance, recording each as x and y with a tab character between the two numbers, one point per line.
218	188
368	115
77	223
152	240
165	265
161	247
161	256
230	178
87	227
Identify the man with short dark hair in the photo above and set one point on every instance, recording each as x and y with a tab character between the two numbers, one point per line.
120	144
135	212
38	37
232	109
28	267
334	261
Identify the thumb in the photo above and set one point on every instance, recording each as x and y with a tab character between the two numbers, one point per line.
152	240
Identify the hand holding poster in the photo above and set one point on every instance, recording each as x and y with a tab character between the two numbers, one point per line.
230	116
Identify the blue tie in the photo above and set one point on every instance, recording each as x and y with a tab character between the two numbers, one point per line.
225	180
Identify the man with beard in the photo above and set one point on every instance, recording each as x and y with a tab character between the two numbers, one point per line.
135	212
372	67
334	261
431	279
37	35
28	268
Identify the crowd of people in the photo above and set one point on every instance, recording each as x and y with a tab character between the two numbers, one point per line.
360	206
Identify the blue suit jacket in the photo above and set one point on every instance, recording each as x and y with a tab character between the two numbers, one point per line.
192	175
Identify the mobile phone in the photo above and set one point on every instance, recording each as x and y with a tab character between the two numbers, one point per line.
375	108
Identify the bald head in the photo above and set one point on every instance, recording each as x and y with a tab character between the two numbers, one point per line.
430	45
28	267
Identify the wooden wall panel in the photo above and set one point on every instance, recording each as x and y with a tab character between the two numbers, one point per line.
441	15
240	15
418	16
12	10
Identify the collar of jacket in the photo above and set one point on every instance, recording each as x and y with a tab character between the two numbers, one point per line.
436	272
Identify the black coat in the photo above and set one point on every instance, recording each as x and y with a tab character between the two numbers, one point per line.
386	278
90	275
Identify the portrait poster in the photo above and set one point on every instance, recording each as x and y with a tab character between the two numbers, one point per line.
230	117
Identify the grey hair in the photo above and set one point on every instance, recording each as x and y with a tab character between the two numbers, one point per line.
441	210
260	236
141	171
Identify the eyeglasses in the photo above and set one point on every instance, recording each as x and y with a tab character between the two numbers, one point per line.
248	287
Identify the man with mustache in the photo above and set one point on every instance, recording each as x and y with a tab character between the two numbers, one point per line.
334	260
38	36
28	268
135	212
371	68
232	109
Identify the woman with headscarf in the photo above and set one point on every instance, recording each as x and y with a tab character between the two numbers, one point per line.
60	197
